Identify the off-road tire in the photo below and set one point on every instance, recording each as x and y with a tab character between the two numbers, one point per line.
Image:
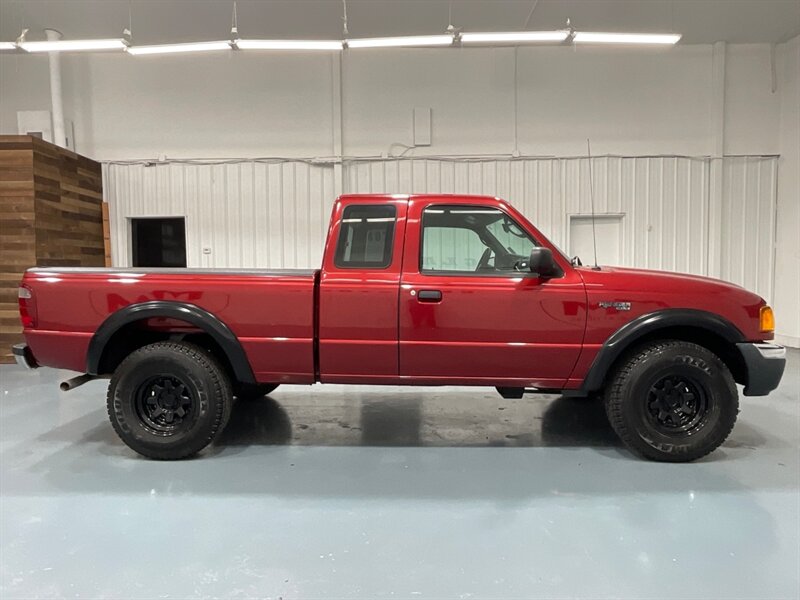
250	391
633	401
205	399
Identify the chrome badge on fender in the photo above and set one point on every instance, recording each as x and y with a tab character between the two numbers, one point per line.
615	305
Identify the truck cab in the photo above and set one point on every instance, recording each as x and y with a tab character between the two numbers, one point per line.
438	290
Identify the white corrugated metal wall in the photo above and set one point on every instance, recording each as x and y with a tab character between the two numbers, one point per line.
239	214
665	200
748	223
252	214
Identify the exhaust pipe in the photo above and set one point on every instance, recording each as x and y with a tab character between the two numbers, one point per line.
71	384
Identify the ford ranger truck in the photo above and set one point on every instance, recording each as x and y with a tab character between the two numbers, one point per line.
413	290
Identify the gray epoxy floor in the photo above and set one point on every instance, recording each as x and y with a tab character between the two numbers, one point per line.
344	492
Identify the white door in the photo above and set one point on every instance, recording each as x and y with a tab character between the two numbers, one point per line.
608	229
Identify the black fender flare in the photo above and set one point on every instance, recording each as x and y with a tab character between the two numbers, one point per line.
183	311
634	330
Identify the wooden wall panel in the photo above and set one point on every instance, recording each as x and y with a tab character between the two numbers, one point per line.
50	215
17	233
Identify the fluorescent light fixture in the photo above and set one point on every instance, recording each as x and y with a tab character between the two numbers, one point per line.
397	42
513	37
73	45
176	48
8	46
592	37
289	44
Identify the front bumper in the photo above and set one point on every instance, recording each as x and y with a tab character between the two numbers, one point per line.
765	364
23	356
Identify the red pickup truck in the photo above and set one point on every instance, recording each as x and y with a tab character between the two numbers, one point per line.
413	290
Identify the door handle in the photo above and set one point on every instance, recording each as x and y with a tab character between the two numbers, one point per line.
429	296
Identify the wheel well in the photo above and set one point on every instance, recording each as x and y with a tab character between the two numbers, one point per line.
724	349
135	335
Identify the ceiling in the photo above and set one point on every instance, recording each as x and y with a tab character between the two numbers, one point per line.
154	21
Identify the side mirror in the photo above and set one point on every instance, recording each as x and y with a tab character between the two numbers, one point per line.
542	263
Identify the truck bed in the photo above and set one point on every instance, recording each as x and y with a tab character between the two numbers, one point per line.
271	312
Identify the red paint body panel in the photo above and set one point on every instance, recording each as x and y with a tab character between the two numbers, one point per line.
650	291
368	325
358	309
516	330
272	315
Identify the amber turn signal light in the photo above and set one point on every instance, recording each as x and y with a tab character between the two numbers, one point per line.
766	320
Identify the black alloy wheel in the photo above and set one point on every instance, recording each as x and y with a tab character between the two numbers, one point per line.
677	405
165	404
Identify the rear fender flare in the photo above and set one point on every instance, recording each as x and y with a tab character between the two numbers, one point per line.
627	335
182	311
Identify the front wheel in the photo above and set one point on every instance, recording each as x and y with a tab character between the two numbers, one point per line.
169	400
672	401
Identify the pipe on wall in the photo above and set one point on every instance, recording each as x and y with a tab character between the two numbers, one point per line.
56	98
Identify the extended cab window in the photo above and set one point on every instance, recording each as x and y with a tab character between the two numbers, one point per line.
365	237
475	239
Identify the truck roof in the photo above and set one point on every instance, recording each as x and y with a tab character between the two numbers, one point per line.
390	197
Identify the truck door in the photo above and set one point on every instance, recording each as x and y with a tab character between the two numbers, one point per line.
470	312
358	292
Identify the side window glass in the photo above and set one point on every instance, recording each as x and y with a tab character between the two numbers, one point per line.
472	239
451	249
511	236
366	237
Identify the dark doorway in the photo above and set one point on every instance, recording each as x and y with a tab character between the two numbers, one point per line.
159	242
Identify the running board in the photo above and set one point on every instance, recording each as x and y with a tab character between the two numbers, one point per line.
511	393
515	393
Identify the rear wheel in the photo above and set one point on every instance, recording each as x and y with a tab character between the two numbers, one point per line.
169	400
250	391
672	401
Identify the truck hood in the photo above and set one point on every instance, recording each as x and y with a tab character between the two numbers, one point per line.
660	278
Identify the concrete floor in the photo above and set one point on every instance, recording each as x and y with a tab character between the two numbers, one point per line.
341	492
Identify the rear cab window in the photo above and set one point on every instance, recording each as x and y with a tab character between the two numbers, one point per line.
366	237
